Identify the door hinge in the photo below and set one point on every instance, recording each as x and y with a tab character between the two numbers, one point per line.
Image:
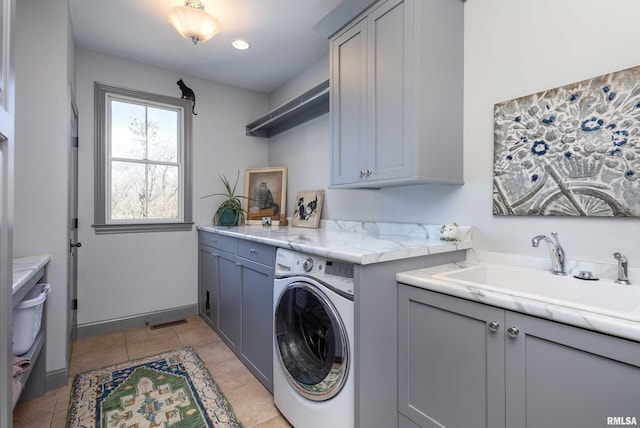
75	141
74	304
74	222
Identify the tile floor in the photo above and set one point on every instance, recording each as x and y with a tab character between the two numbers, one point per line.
251	402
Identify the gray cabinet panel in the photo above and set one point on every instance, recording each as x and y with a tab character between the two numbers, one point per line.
563	376
257	320
235	297
450	363
387	156
208	283
454	371
220	242
349	89
404	422
257	252
230	302
396	94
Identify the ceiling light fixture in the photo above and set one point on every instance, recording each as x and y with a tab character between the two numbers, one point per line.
240	44
192	22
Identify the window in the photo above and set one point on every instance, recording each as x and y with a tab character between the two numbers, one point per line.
143	162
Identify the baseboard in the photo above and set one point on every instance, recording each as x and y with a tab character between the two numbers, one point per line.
57	379
111	326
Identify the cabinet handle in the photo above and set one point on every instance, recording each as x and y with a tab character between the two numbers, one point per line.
368	172
252	250
513	331
238	264
361	173
493	326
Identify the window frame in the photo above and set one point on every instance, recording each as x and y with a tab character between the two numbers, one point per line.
102	225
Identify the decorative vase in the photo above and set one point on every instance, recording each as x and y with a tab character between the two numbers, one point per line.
229	217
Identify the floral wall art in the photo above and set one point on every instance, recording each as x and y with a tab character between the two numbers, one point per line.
570	151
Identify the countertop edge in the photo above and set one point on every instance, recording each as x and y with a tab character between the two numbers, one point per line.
32	264
363	257
422	278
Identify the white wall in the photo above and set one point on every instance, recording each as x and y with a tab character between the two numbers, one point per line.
512	48
43	61
131	274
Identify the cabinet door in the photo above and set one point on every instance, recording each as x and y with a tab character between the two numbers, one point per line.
389	52
257	320
563	376
451	364
348	104
208	283
230	299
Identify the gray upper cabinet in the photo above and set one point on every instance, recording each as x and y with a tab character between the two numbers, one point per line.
396	95
466	364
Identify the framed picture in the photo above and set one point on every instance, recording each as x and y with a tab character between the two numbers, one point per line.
266	190
308	207
570	151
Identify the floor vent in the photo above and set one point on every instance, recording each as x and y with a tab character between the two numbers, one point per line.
167	324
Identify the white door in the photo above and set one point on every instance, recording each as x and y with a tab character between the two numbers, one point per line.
7	20
73	225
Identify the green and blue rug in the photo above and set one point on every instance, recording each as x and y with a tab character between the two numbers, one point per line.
172	389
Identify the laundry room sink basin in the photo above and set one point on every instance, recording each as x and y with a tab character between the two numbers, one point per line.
604	296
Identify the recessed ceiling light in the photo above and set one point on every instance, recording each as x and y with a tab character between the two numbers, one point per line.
240	44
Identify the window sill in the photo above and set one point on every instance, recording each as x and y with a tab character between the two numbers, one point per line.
103	229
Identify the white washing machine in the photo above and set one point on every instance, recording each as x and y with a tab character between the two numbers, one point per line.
313	375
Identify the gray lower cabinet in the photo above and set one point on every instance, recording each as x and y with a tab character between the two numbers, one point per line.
563	376
208	283
257	320
466	364
451	366
235	297
230	303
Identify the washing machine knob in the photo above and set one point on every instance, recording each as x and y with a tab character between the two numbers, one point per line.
307	265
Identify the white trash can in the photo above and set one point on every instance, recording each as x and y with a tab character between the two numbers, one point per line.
27	318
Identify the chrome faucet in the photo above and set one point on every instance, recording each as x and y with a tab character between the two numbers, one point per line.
623	264
555	251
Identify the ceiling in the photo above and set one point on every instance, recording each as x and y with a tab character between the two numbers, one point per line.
280	32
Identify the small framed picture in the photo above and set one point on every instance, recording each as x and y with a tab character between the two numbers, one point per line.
266	190
306	212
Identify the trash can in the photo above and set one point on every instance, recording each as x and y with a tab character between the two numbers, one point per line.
27	318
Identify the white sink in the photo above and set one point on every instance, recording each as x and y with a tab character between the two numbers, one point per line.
603	297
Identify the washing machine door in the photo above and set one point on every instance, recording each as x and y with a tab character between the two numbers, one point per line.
311	342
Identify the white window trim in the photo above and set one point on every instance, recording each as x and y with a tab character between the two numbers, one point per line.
102	224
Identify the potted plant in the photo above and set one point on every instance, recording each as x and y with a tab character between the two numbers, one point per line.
230	211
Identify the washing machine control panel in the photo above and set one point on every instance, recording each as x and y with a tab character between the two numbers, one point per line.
307	265
337	274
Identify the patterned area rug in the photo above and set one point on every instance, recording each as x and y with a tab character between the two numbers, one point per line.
172	389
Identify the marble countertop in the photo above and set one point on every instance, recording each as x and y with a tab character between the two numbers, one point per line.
357	242
24	268
589	320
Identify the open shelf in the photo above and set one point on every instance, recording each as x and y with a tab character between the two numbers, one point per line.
311	104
